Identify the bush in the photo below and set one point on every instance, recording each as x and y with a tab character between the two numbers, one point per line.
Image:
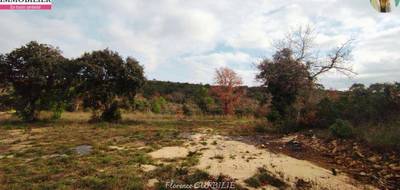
142	105
341	129
382	136
156	107
288	125
261	127
187	110
112	114
57	110
274	116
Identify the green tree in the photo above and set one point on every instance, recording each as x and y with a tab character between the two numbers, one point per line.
291	76
35	72
284	77
105	77
203	99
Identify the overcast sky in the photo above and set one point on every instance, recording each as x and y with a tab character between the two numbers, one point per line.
185	40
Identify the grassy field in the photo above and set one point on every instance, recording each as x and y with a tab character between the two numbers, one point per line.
72	153
43	155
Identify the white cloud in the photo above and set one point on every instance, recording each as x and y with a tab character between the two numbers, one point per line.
204	66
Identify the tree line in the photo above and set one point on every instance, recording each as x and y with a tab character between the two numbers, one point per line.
36	77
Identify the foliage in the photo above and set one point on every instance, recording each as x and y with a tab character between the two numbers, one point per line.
378	103
385	135
284	78
227	89
158	105
263	177
341	129
203	100
112	114
104	76
35	72
246	107
190	109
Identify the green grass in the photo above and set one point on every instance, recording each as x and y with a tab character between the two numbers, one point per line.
50	162
381	136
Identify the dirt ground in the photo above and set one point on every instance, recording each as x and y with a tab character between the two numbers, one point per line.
366	164
241	161
148	152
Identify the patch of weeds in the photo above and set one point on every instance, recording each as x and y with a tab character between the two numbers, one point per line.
182	171
192	159
87	170
134	184
341	129
263	178
165	172
115	180
101	125
197	176
92	182
105	159
253	182
261	128
204	143
381	136
141	158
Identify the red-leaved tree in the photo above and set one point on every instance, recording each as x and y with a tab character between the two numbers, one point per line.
227	89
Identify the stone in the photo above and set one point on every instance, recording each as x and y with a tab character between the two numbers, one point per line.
83	150
152	182
148	168
363	173
116	148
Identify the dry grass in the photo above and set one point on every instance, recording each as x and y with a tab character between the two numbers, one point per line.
44	157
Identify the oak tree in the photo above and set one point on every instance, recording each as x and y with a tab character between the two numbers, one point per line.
105	76
35	74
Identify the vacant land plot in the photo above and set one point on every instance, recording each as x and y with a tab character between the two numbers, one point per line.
147	152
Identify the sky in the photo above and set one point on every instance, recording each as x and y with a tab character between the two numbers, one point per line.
186	40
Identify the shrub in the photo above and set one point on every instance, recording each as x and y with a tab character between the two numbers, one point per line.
253	182
261	127
274	116
382	136
187	110
156	107
288	125
142	105
341	129
190	109
112	114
